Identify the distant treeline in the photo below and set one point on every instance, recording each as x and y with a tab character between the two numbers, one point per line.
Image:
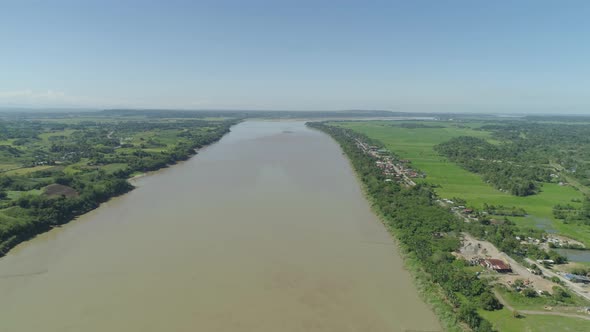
566	144
244	114
501	210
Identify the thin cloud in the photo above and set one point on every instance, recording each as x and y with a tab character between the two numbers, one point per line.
53	98
28	97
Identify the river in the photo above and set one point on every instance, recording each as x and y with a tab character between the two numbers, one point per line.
266	230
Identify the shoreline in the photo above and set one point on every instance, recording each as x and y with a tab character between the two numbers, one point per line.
433	301
196	152
426	292
431	293
7	246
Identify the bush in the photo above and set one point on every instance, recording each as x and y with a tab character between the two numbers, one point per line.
529	292
489	302
560	294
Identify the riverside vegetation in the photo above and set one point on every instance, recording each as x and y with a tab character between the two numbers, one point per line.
53	169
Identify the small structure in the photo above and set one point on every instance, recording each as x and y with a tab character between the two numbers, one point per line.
497	265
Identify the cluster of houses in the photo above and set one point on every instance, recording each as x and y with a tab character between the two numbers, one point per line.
563	242
460	210
391	167
528	240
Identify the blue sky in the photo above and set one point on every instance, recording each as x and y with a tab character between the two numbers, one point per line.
500	56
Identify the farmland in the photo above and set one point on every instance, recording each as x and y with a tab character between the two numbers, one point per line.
417	143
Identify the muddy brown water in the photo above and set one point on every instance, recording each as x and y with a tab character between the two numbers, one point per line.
266	230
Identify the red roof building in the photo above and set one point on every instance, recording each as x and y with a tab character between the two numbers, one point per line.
496	265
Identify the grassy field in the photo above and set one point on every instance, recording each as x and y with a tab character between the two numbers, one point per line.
505	322
8	166
46	136
520	302
416	144
16	194
27	170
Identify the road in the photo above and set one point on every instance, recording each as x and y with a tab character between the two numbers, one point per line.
407	179
570	179
576	288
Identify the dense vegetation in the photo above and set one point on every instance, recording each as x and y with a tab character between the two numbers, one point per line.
565	145
509	167
53	171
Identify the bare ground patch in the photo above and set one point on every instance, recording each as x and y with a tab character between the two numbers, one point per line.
60	190
472	249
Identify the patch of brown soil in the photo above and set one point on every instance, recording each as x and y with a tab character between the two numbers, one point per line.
60	190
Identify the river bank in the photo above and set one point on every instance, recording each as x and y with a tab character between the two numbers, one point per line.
35	215
430	293
406	218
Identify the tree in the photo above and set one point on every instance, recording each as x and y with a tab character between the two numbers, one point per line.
485	326
468	314
489	302
529	292
560	294
518	283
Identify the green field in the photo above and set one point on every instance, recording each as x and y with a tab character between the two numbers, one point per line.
16	194
505	322
46	136
416	144
26	170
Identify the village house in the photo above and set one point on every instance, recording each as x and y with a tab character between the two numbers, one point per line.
496	265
